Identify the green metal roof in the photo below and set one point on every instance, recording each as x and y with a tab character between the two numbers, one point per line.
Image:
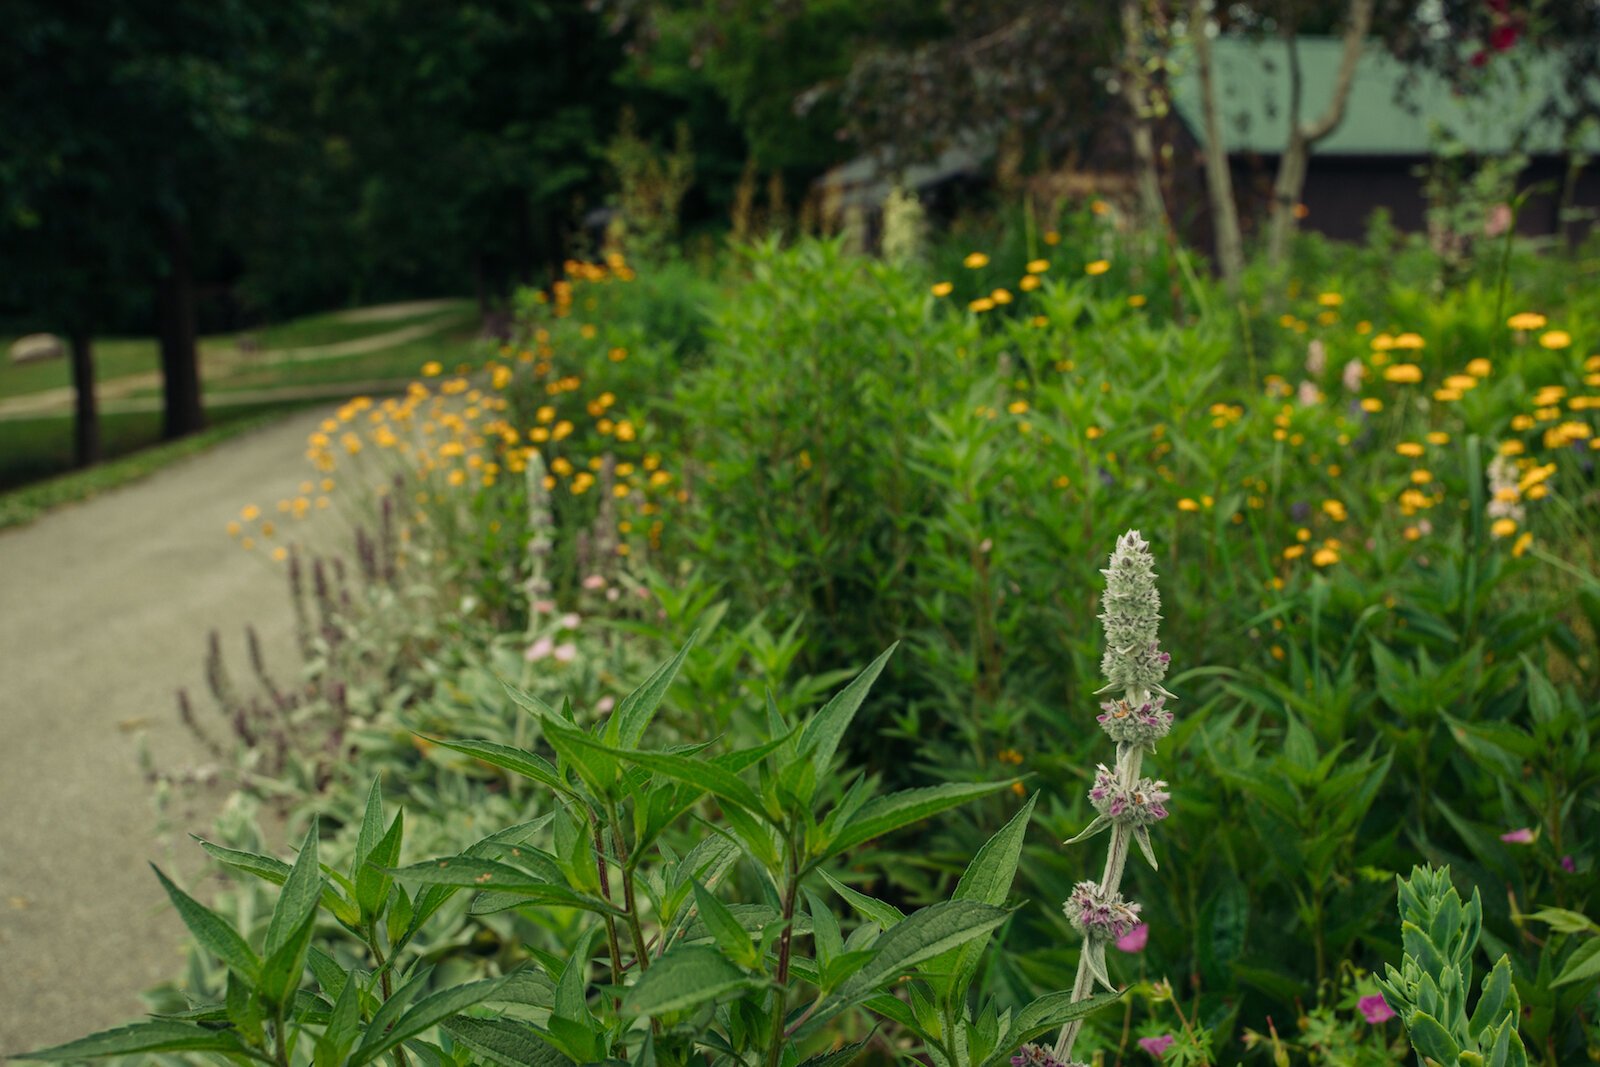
1252	85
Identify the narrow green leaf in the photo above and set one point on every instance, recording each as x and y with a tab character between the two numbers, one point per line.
633	714
371	831
823	732
372	877
730	936
923	935
518	761
428	1012
885	915
685	977
343	1026
986	880
298	900
839	1057
1581	965
707	777
141	1037
212	931
505	1042
284	966
1045	1015
883	814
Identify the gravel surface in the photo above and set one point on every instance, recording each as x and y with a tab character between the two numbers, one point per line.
104	611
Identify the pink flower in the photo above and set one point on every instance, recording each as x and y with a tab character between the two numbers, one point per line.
1568	865
544	607
566	652
1136	939
1375	1009
613	593
1157	1046
594	581
1498	221
539	650
1316	358
605	704
571	620
1352	374
1523	836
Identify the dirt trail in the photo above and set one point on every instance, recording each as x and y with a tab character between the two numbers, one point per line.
104	611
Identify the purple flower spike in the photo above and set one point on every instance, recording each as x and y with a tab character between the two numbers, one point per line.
1375	1009
1157	1046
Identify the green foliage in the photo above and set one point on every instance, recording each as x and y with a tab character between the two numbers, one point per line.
1429	990
686	973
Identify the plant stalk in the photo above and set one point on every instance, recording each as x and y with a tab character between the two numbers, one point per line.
791	890
1129	758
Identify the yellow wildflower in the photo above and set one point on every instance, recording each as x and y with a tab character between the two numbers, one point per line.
1099	266
975	260
942	288
1406	373
1526	320
1555	339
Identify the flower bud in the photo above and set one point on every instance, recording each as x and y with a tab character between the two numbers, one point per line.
1131	613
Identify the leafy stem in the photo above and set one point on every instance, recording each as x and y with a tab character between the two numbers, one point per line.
791	891
641	950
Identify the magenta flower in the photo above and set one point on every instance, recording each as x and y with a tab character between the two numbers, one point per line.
1157	1046
1375	1009
1568	865
1523	836
1136	939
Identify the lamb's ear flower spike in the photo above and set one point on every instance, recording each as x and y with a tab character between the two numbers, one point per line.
1135	718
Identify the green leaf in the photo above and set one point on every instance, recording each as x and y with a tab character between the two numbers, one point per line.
372	877
823	732
141	1037
489	876
1050	1012
212	931
839	1057
505	1042
280	974
1581	965
277	872
986	880
923	935
684	978
885	915
1564	921
518	761
883	814
707	777
298	900
425	1014
634	712
1431	1039
730	936
371	831
344	1025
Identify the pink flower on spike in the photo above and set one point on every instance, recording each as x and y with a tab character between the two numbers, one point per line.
1157	1046
1136	939
566	653
1375	1009
1523	836
539	650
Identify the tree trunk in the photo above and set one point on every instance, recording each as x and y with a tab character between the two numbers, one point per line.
1286	191
180	358
1151	206
1219	179
86	427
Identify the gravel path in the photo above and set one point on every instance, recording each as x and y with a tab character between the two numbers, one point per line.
104	611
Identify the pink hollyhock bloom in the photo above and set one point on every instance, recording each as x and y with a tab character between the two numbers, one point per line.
605	704
539	650
1157	1046
1523	836
1375	1009
1136	939
566	653
571	620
